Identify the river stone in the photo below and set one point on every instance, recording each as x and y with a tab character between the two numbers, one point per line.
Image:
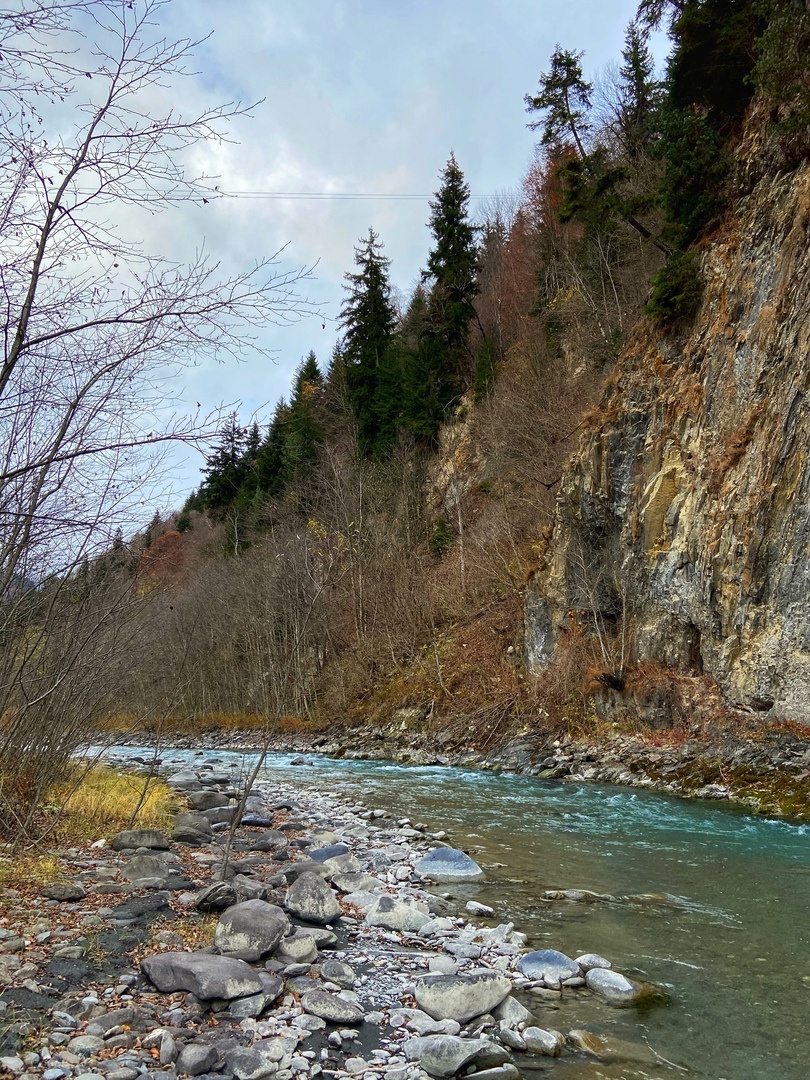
592	960
445	1055
63	891
617	988
331	1007
300	949
271	841
395	914
342	864
246	1063
207	800
146	868
355	882
215	897
337	972
205	975
192	829
461	997
85	1045
540	1041
196	1058
145	838
250	930
548	965
331	851
512	1012
311	899
448	864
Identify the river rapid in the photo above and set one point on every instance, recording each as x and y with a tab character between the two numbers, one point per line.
727	931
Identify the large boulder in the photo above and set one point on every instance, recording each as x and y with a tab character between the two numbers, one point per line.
549	966
145	838
461	997
205	975
310	898
251	930
298	949
147	868
445	1055
395	914
331	851
448	864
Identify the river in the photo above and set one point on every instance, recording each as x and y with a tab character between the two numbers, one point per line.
729	935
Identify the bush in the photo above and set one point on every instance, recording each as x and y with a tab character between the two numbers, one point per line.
441	538
676	289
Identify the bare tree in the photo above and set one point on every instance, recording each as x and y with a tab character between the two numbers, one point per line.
95	326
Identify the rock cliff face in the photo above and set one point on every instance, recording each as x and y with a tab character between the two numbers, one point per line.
682	529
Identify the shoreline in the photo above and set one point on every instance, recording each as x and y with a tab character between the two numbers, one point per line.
391	960
769	777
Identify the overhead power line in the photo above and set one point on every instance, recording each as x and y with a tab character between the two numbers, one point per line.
355	196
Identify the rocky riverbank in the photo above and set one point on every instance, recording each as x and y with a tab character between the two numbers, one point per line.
764	771
331	940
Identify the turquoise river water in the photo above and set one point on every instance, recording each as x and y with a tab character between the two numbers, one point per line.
729	935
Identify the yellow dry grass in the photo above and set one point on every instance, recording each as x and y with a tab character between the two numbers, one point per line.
102	800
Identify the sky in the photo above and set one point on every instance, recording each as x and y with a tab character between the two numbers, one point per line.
352	97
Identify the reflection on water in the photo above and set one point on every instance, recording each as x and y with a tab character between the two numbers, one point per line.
707	901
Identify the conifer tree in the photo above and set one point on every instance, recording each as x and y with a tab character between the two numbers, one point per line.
304	432
434	373
368	318
224	468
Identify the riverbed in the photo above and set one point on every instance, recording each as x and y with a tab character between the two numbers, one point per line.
708	901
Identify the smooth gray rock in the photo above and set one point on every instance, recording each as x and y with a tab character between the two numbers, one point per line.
196	1058
342	864
145	838
64	891
448	864
271	841
461	997
331	1007
300	949
146	868
251	930
592	960
331	851
85	1045
540	1041
548	965
207	800
216	897
617	988
445	1055
339	973
205	975
192	829
395	914
355	882
311	899
512	1012
250	1064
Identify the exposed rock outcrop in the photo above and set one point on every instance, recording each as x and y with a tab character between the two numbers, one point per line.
682	530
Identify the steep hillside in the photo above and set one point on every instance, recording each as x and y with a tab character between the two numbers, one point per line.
681	540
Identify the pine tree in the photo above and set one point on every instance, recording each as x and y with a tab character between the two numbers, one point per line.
271	474
368	318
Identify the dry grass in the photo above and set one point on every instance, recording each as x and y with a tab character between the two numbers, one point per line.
30	867
101	801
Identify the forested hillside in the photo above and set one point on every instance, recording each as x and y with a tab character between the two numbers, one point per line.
370	549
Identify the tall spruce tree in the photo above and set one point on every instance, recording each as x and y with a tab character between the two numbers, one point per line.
224	470
304	431
442	360
368	318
